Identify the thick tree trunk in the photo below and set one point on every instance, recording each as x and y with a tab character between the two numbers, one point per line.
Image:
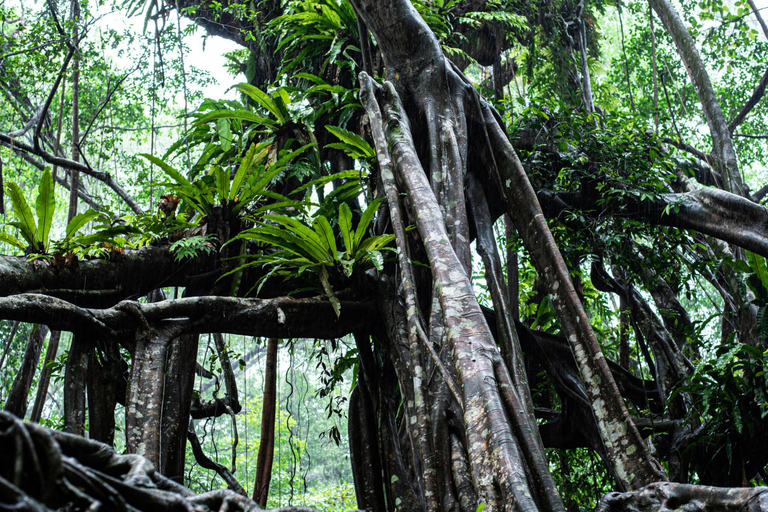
105	386
75	378
144	400
177	404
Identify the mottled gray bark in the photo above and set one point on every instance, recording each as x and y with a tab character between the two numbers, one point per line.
632	463
75	378
710	211
498	467
283	317
691	498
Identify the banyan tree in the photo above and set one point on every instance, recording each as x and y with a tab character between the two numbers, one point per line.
428	191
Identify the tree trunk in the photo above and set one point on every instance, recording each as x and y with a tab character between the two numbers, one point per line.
17	399
74	175
45	376
267	437
718	126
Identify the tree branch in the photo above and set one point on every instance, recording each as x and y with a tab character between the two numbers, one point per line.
104	177
750	104
280	317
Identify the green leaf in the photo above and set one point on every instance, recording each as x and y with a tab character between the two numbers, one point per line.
365	220
240	115
255	186
78	221
758	266
263	99
345	225
373	243
26	221
377	259
225	134
222	183
352	139
170	171
105	235
320	182
9	239
45	206
319	250
245	164
325	232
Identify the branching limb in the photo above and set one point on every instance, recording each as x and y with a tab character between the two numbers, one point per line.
205	462
751	102
281	317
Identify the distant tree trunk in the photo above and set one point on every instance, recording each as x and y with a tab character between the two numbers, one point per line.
267	438
697	71
74	181
17	399
45	376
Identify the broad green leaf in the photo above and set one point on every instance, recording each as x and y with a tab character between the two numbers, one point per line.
377	259
225	134
345	225
320	182
282	100
373	243
312	78
283	160
45	206
758	266
262	99
255	185
352	139
349	149
170	171
222	183
78	221
105	235
285	240
245	164
319	249
26	221
325	232
365	220
241	115
9	239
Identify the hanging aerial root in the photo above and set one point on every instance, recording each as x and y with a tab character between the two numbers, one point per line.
492	449
633	465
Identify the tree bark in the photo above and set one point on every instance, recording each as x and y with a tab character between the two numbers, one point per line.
45	377
718	126
17	398
267	436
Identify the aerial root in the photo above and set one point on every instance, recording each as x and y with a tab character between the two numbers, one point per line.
43	469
